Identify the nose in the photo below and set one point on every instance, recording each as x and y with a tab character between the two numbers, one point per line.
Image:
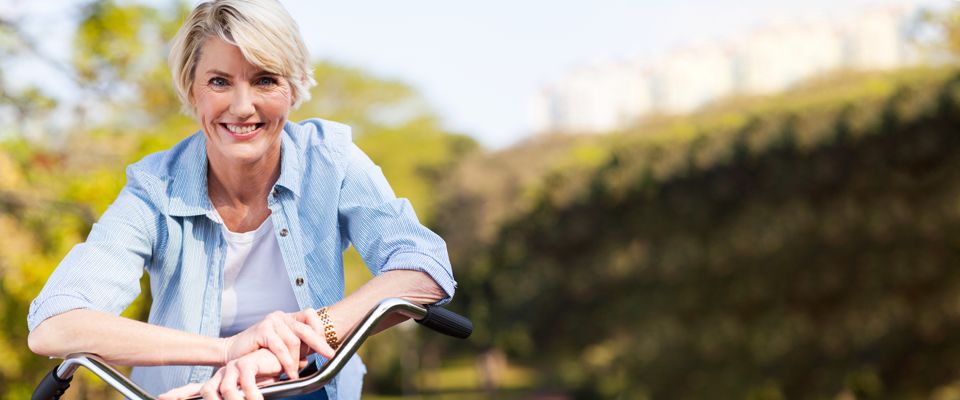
242	103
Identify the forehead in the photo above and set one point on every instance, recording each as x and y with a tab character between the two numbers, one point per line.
219	55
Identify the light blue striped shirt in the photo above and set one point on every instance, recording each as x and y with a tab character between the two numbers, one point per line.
329	194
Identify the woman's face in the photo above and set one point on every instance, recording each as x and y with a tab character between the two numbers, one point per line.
241	108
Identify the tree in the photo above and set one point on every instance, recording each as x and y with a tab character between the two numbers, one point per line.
52	188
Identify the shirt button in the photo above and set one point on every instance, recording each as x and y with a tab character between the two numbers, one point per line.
299	281
284	232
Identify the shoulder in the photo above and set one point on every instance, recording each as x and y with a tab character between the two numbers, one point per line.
162	164
316	132
318	141
153	172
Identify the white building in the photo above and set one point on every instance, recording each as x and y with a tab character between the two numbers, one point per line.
598	98
775	58
877	39
608	96
688	78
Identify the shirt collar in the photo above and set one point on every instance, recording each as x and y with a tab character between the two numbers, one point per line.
188	194
291	165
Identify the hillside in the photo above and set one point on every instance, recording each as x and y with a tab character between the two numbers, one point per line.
800	247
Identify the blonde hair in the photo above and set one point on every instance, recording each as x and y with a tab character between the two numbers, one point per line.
266	34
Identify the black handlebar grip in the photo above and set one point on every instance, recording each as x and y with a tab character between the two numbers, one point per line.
447	322
51	387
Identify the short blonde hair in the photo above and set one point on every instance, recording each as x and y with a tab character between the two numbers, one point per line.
266	34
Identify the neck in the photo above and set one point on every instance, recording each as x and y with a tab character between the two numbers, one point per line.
245	188
239	184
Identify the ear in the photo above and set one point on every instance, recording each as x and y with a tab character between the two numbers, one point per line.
191	105
191	98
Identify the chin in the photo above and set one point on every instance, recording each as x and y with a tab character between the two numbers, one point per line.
245	155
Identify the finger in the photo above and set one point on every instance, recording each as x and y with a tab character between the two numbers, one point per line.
298	315
209	389
182	392
301	317
277	334
304	315
228	386
288	336
248	381
280	350
308	334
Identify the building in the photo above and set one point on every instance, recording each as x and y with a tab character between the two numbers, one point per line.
607	96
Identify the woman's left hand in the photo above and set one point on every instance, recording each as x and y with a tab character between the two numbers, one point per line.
257	368
282	334
243	374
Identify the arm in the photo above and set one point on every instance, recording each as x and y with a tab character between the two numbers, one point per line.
122	341
407	259
78	308
125	341
413	286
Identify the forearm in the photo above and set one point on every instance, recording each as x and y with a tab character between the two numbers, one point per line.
414	286
123	341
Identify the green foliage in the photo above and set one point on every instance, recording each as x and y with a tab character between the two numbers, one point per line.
800	254
108	40
364	102
414	158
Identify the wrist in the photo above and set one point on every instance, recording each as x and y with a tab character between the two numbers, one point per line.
224	351
329	333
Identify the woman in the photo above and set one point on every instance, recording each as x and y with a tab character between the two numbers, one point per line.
241	227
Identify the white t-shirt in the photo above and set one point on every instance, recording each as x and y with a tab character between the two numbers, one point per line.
255	280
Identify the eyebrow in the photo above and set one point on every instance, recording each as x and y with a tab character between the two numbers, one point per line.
218	72
214	71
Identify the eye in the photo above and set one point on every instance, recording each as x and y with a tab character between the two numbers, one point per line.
217	82
266	81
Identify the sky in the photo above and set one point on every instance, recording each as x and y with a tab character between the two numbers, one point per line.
479	63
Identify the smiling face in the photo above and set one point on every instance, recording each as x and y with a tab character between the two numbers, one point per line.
240	107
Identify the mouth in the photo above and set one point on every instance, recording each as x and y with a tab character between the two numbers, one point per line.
242	131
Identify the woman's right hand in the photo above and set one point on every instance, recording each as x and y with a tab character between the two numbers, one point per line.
281	334
244	374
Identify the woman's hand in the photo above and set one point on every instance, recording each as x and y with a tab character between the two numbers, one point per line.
281	334
243	374
290	334
310	318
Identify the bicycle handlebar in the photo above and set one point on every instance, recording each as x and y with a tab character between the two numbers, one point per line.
446	322
434	317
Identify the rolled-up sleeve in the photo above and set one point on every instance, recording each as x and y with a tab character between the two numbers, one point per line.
103	273
384	229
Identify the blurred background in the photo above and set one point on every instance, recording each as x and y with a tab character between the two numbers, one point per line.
687	199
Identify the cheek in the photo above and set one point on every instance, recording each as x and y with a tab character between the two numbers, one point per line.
209	105
277	103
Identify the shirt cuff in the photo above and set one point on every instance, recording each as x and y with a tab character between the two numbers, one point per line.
43	308
414	261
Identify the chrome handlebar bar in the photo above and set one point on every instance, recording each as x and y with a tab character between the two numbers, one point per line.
439	319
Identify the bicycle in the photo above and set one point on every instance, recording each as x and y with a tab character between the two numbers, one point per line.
55	383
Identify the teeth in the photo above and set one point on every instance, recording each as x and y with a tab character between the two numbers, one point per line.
241	129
